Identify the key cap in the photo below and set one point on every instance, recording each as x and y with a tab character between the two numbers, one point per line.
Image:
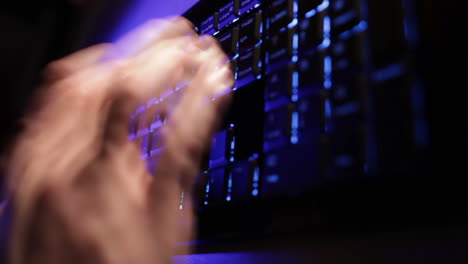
250	31
243	183
246	5
348	97
207	27
309	119
348	54
311	32
222	148
345	14
307	5
278	86
227	13
216	190
277	128
229	40
280	49
311	74
281	14
347	143
291	171
248	66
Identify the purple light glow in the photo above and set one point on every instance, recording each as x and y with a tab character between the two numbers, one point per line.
143	10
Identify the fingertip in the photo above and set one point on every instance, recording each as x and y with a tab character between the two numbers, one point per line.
184	22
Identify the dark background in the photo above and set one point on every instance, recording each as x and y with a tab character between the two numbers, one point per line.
34	33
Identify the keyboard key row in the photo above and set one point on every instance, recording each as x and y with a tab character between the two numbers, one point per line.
236	182
226	15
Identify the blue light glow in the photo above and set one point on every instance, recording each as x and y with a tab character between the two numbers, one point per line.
324	5
390	72
295	41
207	191
295	86
294	127
293	23
326	33
294	139
295	58
344	161
326	25
233	147
230	181
325	44
311	13
140	11
295	120
328	108
256	178
274	178
295	80
346	34
229	188
256	175
410	23
362	26
327	65
327	69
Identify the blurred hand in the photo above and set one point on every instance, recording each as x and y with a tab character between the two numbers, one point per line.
81	193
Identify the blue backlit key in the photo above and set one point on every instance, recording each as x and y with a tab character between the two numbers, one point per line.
216	188
281	14
277	128
229	40
227	13
243	181
306	6
291	171
281	48
250	31
207	27
222	148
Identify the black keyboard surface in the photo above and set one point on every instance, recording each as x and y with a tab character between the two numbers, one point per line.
328	130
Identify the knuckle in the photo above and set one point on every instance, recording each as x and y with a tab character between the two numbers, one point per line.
183	22
126	77
51	189
193	145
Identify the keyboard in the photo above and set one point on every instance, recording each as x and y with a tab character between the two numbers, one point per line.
328	129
